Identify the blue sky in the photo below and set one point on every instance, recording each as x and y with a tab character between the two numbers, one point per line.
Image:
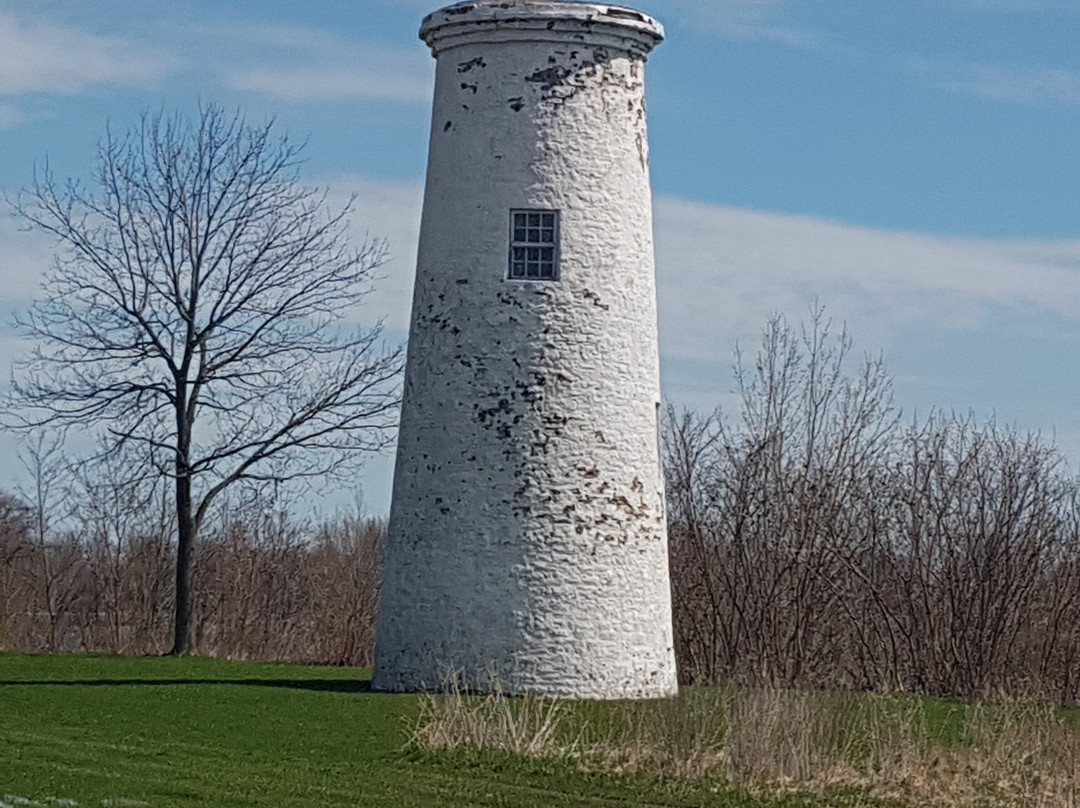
914	166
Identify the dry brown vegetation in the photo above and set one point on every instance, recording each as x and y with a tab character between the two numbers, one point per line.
774	741
195	313
267	586
818	541
823	554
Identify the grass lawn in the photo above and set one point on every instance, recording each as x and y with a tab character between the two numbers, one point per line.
112	731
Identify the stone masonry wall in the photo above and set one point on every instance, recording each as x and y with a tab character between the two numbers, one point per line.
527	536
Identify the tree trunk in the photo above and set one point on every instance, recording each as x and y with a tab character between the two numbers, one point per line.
184	545
185	529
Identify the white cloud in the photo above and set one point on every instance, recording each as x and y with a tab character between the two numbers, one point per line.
725	269
722	270
331	82
11	116
1020	5
763	21
24	256
40	56
1022	85
391	212
739	19
992	324
297	64
1009	83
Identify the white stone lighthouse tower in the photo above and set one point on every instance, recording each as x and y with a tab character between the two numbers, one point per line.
527	540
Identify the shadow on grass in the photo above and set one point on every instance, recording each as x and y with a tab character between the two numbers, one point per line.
317	685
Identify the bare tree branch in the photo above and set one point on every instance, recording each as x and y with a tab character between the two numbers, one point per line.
196	305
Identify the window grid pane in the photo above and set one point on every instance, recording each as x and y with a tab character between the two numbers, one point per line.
534	240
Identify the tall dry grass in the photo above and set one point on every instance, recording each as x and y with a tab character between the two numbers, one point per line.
1020	754
525	727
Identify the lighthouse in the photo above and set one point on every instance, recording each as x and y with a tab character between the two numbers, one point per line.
527	547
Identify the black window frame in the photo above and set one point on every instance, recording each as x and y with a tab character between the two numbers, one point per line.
534	245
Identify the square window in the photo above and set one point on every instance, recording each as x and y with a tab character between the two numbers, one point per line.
534	245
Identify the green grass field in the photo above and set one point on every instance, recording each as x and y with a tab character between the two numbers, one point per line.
109	731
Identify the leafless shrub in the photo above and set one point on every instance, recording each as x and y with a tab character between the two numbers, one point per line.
15	549
123	518
273	587
268	586
764	513
343	564
816	541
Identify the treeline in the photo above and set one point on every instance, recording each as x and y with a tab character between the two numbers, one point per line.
817	540
266	586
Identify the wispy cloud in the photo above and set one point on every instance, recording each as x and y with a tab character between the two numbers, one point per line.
11	116
765	21
329	83
299	64
389	211
1017	84
41	56
732	266
721	271
1025	85
988	324
742	19
1020	5
24	257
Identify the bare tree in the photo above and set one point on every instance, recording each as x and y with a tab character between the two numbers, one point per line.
817	541
58	563
124	522
195	308
765	510
15	547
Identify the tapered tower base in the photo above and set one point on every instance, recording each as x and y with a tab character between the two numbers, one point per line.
527	542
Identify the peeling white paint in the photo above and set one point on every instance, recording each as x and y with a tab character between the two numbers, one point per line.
527	538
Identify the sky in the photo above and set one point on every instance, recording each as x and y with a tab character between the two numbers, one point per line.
914	167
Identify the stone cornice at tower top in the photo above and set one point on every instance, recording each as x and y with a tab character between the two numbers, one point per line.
541	21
